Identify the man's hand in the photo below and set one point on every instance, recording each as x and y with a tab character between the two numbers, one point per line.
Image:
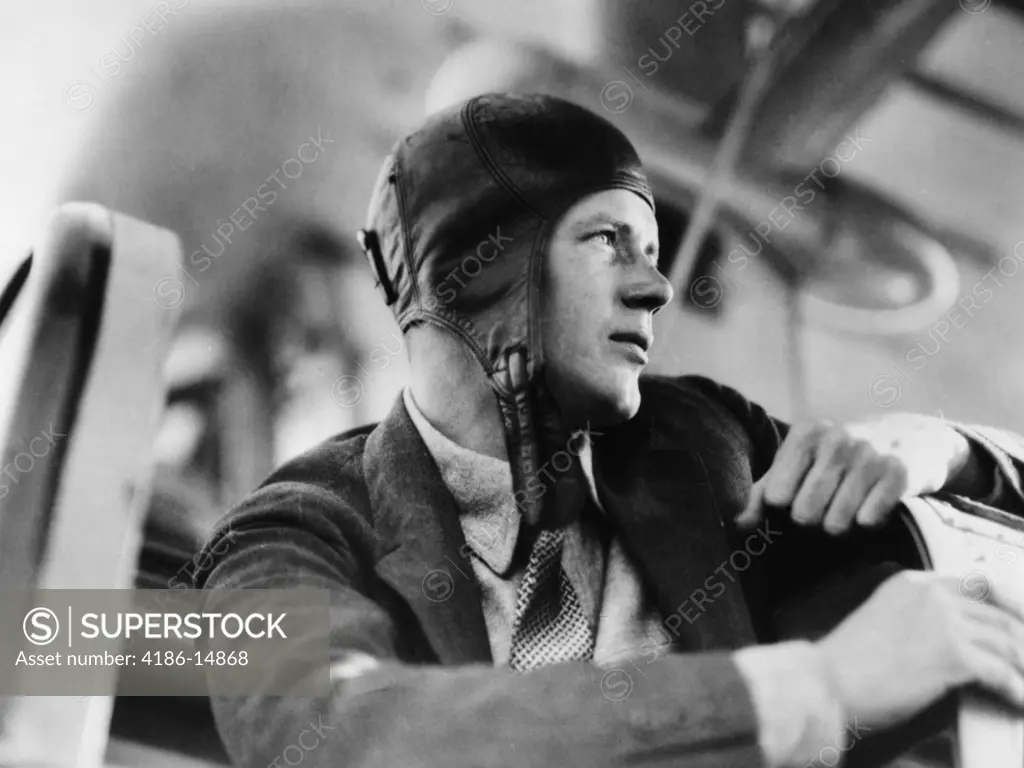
832	475
919	637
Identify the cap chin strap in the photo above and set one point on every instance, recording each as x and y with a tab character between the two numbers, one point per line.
535	436
511	384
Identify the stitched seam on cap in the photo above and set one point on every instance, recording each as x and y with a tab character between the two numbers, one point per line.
403	224
461	328
488	160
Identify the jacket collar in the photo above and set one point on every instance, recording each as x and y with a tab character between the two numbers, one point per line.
652	483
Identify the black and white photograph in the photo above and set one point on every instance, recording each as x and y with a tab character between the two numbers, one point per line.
481	384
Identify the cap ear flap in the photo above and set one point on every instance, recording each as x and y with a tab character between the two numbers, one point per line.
370	244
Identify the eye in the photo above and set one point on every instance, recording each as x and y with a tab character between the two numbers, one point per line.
608	234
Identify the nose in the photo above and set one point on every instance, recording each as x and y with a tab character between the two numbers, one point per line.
649	290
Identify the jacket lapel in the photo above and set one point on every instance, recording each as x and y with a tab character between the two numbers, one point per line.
657	490
423	552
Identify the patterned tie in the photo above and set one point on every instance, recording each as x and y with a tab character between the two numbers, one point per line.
549	625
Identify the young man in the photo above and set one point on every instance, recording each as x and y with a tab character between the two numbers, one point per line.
541	557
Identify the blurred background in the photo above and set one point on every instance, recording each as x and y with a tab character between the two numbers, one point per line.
852	174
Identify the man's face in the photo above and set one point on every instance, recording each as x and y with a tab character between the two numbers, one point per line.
600	291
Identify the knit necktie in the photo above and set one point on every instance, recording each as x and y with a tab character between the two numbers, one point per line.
549	625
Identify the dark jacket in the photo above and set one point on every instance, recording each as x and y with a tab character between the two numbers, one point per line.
366	515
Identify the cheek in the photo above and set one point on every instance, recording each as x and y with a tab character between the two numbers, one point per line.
576	306
579	323
582	295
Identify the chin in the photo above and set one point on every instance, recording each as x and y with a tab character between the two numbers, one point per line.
614	404
628	403
603	397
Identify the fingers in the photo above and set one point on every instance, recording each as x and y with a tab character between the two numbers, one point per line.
840	482
882	497
821	483
994	652
830	476
754	511
1008	596
791	464
854	491
1003	636
992	671
850	499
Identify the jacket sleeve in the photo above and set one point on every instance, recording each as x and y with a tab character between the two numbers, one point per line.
1000	451
804	557
691	710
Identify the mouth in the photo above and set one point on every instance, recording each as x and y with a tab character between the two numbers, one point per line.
636	343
